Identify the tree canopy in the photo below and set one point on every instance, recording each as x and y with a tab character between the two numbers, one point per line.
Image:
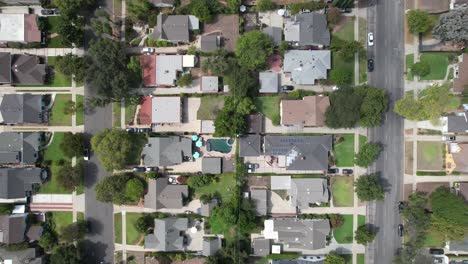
374	105
66	254
367	154
112	188
69	177
421	68
74	231
232	118
138	9
134	189
369	188
334	258
72	65
204	10
72	144
253	48
419	21
364	235
452	26
344	109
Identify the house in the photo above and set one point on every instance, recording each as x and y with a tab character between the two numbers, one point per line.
310	111
22	109
162	3
302	192
23	256
458	152
206	208
303	67
34	233
210	42
261	247
455	4
433	6
250	145
269	82
299	152
164	70
260	198
167	151
19	148
307	29
460	81
19	28
21	69
161	194
209	84
12	228
463	189
175	28
275	34
212	165
166	110
211	245
297	234
255	123
455	124
18	183
168	235
305	259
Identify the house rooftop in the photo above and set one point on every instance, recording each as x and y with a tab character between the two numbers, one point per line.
12	228
166	151
461	81
19	148
168	234
261	247
21	69
211	245
306	191
250	146
161	194
167	68
21	108
207	207
260	199
307	66
166	109
18	182
24	256
175	28
210	42
269	82
310	111
307	29
19	28
210	84
275	34
212	165
457	123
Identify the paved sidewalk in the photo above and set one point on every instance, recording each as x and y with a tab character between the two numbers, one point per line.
46	52
76	129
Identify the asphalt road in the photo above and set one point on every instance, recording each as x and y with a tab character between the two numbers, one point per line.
386	20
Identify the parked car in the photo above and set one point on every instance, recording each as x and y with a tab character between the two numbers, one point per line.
86	154
47	12
333	171
370	65
347	171
132	130
400	230
370	39
138	169
251	167
144	130
287	87
148	169
449	138
401	206
147	50
57	12
346	10
436	251
188	212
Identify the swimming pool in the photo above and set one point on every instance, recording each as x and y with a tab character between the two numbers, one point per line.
222	145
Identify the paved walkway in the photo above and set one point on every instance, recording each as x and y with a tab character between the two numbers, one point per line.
73	129
46	52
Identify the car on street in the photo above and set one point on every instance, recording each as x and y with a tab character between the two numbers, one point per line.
47	12
132	130
370	65
333	171
86	154
370	39
436	251
400	230
287	87
148	50
401	206
138	169
449	138
347	171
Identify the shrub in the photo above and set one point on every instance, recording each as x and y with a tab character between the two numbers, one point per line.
421	68
367	154
336	220
199	181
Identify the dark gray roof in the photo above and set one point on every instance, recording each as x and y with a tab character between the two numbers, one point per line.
312	29
302	233
5	67
269	82
25	256
172	28
207	207
457	124
166	151
161	194
21	108
12	228
261	247
260	198
19	147
250	146
34	233
255	123
210	42
302	152
26	69
168	234
211	245
275	34
212	165
18	182
305	191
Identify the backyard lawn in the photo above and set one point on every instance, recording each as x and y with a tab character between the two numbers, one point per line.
62	219
133	236
79	114
269	106
57	79
118	228
116	110
361	220
57	115
210	107
223	186
430	155
344	151
344	234
438	62
409	63
343	191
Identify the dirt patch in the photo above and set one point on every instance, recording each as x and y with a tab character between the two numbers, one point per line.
407	191
430	156
259	181
409	159
428	187
228	27
136	256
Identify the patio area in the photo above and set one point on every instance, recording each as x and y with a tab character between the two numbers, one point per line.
270	164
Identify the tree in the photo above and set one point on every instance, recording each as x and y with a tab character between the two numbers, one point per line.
138	10
241	82
185	80
421	68
115	146
364	235
336	220
135	72
69	177
111	188
344	109
48	239
101	26
72	65
70	27
143	223
452	26
374	104
231	120
204	10
334	258
233	6
265	5
333	16
199	181
134	189
368	188
6	209
346	49
66	254
253	48
72	144
419	21
74	5
74	231
341	76
367	154
220	63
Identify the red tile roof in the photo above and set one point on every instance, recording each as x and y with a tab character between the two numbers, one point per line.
148	64
144	115
31	30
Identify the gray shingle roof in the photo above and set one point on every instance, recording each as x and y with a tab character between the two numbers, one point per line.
457	124
25	256
5	67
210	42
261	247
16	182
12	228
21	108
207	207
166	151
260	198
306	66
21	69
168	234
211	245
250	146
302	152
19	147
175	28
308	29
212	165
269	82
305	191
161	194
275	34
210	84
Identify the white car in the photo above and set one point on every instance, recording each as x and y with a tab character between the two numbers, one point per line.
147	50
370	39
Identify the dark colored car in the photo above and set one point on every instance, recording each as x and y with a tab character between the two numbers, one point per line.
400	230
47	12
401	205
139	169
144	130
346	10
287	87
86	154
132	130
436	251
333	171
57	12
347	171
370	65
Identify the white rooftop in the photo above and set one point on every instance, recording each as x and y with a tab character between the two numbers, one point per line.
165	109
188	61
12	27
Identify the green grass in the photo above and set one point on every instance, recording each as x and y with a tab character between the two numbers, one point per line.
132	234
223	186
346	32
269	106
57	79
339	64
118	228
344	151
409	61
362	66
116	110
58	117
454	103
129	113
343	191
362	140
80	216
344	234
53	28
438	62
361	220
62	219
361	259
79	114
210	107
430	150
434	239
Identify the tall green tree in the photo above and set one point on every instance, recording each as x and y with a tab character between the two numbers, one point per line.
369	188
138	9
367	154
72	65
66	254
74	231
374	105
253	48
421	68
134	189
72	144
344	110
452	26
69	177
112	189
364	235
115	146
334	258
232	118
419	21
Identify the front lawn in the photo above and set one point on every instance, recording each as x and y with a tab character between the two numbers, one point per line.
346	31
223	187
210	107
409	61
430	155
344	234
343	191
339	64
269	106
129	113
118	228
438	61
79	114
361	259
133	236
116	111
53	28
57	79
57	115
361	220
62	219
434	239
344	151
